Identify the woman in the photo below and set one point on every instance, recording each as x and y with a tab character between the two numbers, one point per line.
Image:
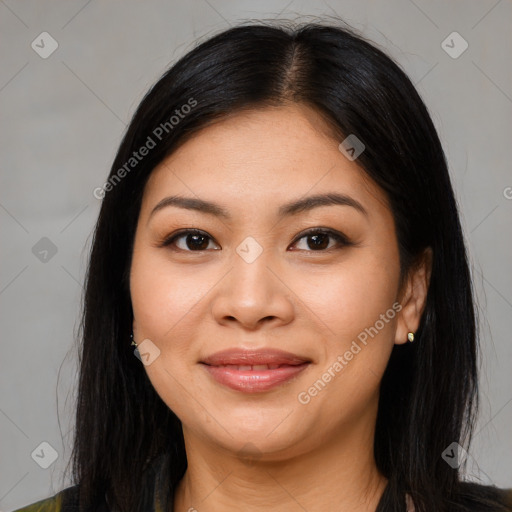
279	238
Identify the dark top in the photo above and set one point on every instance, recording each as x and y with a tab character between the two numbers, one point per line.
155	501
154	497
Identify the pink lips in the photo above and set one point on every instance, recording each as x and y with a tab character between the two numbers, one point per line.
253	371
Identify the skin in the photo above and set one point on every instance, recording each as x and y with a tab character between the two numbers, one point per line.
267	450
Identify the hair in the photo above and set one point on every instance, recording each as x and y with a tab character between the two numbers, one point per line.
428	394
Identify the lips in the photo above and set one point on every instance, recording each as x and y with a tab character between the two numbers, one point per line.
248	367
253	371
240	357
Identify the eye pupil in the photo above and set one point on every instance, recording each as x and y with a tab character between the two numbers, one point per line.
195	246
319	244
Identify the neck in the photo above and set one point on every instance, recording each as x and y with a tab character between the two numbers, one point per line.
340	475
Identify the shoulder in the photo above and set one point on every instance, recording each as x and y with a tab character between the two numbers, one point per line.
64	501
67	500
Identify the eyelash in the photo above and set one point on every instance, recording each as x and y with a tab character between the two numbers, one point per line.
341	239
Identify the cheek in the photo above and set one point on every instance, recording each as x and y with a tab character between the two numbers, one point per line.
163	296
356	304
352	296
164	302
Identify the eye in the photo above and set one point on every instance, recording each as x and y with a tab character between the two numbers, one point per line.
194	240
318	240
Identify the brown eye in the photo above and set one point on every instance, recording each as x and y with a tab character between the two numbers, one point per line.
318	240
193	240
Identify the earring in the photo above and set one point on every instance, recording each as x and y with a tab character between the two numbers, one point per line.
410	337
133	341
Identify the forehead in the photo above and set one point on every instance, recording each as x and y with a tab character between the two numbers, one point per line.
259	157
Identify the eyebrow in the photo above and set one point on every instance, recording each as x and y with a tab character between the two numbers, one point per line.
289	209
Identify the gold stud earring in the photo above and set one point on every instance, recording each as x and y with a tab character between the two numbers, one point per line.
410	337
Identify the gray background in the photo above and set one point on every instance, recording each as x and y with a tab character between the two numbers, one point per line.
63	118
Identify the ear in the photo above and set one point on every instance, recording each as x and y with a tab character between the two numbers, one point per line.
413	297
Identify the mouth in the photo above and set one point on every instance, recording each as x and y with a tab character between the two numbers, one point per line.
253	371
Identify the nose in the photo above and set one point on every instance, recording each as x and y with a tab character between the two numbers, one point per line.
253	295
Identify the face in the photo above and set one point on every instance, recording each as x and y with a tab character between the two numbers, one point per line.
266	269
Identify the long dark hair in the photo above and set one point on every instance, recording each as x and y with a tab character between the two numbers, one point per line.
428	393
